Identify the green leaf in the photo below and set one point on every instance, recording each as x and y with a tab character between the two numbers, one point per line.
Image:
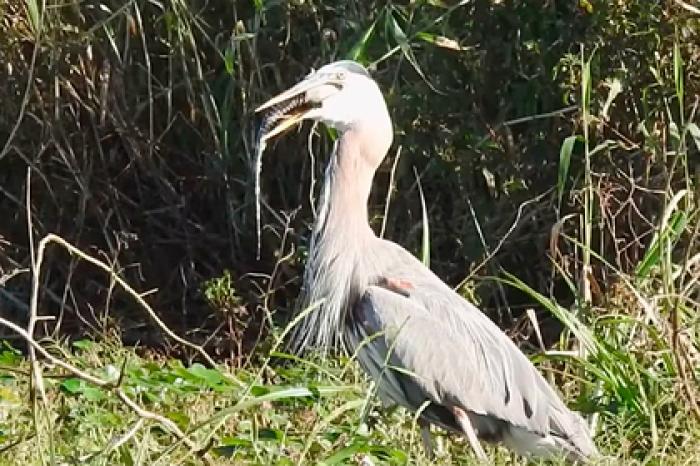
179	418
34	16
83	344
566	317
270	434
10	356
315	393
93	393
393	455
567	148
230	445
676	225
236	442
8	396
332	133
228	60
339	457
76	386
671	227
678	72
586	87
694	133
72	385
259	390
394	30
329	420
211	376
358	51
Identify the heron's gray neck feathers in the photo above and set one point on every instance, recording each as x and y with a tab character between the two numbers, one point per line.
339	242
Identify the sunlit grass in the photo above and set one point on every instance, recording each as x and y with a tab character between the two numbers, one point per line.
295	414
114	105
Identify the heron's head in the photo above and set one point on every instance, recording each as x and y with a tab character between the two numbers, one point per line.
341	94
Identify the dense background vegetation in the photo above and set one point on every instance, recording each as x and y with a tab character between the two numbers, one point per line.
557	147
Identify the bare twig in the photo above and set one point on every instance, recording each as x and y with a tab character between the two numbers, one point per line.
162	420
10	275
688	6
53	359
38	390
118	391
51	238
503	239
37	381
117	441
541	116
389	192
30	85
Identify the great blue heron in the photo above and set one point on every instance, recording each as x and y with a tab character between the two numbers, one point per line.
426	347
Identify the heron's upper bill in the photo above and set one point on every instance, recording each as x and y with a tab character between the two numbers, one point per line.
283	116
299	102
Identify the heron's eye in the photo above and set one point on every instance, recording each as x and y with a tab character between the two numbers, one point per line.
340	75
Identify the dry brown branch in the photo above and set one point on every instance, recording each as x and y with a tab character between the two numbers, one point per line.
26	97
118	391
117	441
37	379
165	422
688	6
51	238
54	360
513	227
530	118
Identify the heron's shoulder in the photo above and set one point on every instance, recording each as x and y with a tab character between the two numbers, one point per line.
391	260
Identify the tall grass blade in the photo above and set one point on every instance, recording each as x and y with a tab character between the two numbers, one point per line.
358	52
566	317
678	76
34	16
673	224
567	148
695	134
394	30
425	253
336	413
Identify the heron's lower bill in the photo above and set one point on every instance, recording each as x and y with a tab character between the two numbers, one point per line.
283	116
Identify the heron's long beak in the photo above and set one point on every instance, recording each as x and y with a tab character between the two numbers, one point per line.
278	122
293	105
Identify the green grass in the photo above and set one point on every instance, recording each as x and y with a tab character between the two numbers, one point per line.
291	414
296	415
134	119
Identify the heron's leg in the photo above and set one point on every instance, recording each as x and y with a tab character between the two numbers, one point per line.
425	437
466	425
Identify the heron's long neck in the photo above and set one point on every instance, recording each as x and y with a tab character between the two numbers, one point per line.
347	185
342	235
349	180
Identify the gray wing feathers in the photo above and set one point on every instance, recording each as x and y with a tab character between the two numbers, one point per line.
457	356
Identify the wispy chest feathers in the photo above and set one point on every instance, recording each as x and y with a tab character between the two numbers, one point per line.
334	274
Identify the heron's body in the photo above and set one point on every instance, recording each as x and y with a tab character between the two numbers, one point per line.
384	305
